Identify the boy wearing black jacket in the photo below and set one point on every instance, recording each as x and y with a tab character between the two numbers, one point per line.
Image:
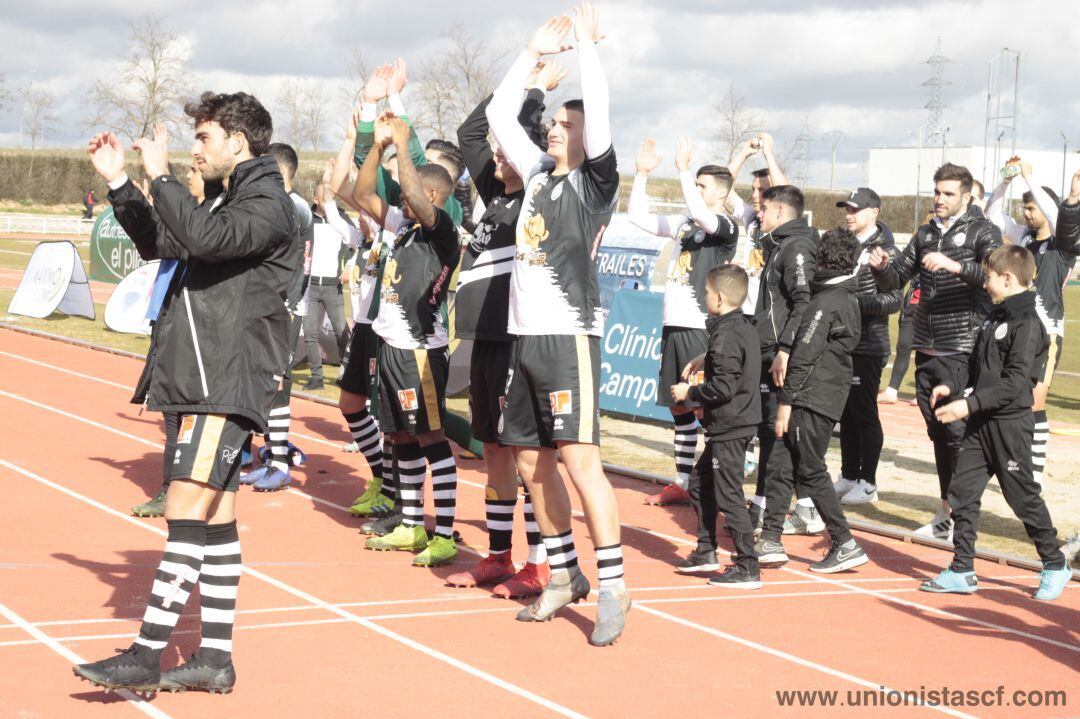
813	398
732	410
1008	360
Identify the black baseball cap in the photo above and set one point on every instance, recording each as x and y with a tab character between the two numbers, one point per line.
860	199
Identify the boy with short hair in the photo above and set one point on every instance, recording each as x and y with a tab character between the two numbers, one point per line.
813	399
731	401
1008	360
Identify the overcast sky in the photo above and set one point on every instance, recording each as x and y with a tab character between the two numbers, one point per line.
852	66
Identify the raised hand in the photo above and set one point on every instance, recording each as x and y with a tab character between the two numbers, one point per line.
399	133
684	153
399	77
328	172
587	23
647	159
376	88
765	143
354	122
155	152
549	75
549	38
383	133
107	155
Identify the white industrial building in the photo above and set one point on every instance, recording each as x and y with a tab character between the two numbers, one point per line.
900	170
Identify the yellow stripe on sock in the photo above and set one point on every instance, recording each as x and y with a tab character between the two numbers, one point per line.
213	426
427	385
585	389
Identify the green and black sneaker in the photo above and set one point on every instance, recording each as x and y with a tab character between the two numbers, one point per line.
151	508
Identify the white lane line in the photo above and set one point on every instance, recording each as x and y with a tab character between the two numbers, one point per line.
74	658
73	373
685	542
876	686
311	599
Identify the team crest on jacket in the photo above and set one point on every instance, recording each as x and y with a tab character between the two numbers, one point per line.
959	239
1001	331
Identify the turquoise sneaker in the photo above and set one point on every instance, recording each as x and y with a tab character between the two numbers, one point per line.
950	582
1052	583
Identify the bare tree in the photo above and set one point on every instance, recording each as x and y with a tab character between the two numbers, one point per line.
357	70
5	94
453	81
149	87
290	109
737	123
37	113
314	104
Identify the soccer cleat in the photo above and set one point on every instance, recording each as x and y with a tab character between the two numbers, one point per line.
439	551
363	505
383	525
570	588
198	675
254	475
296	456
940	527
839	560
152	507
380	506
264	454
123	671
271	481
803	520
700	560
1052	583
735	577
671	494
529	582
862	493
246	458
611	611
770	553
402	539
843	485
950	582
492	569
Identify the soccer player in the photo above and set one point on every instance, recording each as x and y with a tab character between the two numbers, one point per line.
947	253
229	312
706	238
555	312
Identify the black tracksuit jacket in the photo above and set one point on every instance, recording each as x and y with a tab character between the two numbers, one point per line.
790	261
874	304
730	394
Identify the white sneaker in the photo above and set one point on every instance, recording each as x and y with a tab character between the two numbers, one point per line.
941	527
862	493
843	485
803	520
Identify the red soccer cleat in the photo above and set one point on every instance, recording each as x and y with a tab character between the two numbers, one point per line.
529	582
492	569
671	494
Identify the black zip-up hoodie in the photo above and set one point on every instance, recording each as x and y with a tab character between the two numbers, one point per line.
222	343
820	368
951	307
730	394
875	304
790	261
1009	357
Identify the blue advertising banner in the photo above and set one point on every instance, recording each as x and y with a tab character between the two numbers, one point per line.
631	258
630	355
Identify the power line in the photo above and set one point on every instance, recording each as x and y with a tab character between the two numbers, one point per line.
936	106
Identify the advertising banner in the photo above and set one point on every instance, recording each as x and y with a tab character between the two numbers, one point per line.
54	281
127	305
630	355
112	253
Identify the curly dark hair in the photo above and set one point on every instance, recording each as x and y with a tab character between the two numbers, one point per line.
838	251
235	112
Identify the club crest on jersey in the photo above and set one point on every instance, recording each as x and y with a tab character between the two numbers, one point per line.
187	429
699	236
959	239
407	399
1001	331
562	402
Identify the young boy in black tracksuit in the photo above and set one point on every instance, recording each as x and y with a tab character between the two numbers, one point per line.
813	398
1008	360
731	401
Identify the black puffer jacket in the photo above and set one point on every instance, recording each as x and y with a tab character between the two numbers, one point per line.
951	307
790	260
874	304
223	339
730	394
820	368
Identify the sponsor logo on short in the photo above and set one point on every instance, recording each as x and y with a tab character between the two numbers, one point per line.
187	429
562	402
176	459
228	454
856	380
407	399
558	424
1012	466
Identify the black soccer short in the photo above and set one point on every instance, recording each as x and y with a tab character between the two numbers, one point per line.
678	346
208	450
1053	359
362	360
412	389
488	368
552	391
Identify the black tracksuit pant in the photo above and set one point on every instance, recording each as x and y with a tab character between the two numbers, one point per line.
1001	447
716	486
861	436
774	461
930	371
903	350
807	439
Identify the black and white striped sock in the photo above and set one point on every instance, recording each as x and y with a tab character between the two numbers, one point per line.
686	432
411	470
218	583
537	550
365	432
610	564
500	524
443	486
560	551
277	436
1039	445
173	582
389	472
